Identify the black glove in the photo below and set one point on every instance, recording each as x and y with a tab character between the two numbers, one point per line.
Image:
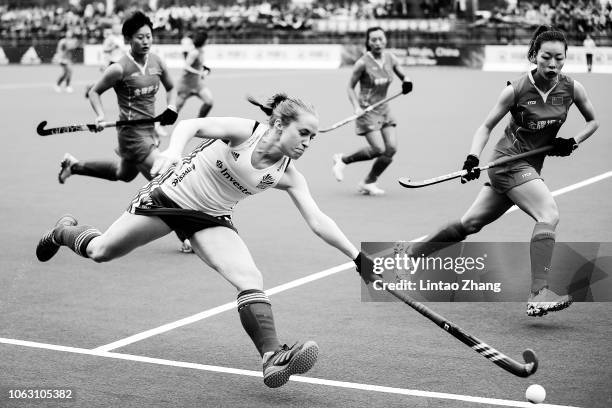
406	87
168	117
563	147
365	268
471	165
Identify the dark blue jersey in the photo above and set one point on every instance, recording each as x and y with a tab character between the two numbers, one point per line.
536	116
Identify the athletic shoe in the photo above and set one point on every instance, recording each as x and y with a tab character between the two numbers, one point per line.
338	167
69	89
186	247
66	167
47	247
57	88
370	189
545	300
279	365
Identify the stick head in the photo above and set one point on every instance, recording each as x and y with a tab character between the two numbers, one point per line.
531	362
40	129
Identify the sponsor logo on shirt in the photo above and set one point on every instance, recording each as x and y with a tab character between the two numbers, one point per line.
182	175
146	90
229	177
381	81
235	156
531	102
541	124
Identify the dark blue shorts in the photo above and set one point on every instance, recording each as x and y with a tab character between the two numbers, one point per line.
374	121
136	143
153	202
515	173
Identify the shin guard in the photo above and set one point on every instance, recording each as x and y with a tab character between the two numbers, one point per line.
257	320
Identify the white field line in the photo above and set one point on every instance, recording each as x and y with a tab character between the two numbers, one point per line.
301	379
298	282
219	309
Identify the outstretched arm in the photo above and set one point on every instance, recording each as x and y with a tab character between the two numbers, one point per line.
109	78
295	184
168	84
399	71
355	75
584	105
234	130
501	108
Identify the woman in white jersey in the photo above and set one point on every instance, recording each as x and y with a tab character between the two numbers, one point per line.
195	195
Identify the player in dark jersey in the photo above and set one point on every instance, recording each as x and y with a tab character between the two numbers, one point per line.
538	103
191	82
374	73
135	79
197	195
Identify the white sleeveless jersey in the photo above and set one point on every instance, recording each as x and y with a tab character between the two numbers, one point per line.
216	176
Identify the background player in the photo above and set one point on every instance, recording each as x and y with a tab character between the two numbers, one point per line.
374	73
135	79
65	48
196	196
589	49
113	48
191	82
538	103
186	44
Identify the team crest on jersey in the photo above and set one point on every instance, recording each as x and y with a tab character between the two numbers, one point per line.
235	155
266	181
557	100
219	164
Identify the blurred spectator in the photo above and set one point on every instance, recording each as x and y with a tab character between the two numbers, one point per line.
88	19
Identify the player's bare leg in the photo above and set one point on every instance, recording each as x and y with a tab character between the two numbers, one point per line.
223	249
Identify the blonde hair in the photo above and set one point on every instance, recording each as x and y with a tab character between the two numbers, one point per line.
284	108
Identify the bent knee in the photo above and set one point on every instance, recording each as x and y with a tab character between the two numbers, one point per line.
550	216
376	151
390	151
472	225
99	252
242	278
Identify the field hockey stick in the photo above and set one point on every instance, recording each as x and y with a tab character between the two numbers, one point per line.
40	129
512	366
366	110
406	182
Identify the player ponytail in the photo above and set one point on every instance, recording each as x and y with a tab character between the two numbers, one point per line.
542	34
282	107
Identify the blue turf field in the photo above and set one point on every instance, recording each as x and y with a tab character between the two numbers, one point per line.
382	355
